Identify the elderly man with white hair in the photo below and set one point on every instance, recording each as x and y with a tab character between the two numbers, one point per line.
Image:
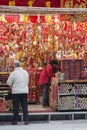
18	81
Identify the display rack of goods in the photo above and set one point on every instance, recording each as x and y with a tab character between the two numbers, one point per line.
73	68
41	34
81	95
67	103
53	94
4	91
66	96
3	77
3	105
72	95
33	96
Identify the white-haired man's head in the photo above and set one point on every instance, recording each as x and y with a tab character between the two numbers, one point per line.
16	63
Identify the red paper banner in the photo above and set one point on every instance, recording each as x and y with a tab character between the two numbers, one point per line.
31	3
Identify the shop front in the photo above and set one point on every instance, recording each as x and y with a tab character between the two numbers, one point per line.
35	36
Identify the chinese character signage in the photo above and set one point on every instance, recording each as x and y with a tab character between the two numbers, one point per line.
46	3
31	3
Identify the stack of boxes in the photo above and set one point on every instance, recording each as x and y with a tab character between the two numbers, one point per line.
73	69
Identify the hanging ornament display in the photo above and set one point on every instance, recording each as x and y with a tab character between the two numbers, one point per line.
42	36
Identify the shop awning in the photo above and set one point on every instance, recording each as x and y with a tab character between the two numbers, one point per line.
39	10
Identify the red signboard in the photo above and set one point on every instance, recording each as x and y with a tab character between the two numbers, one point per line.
31	3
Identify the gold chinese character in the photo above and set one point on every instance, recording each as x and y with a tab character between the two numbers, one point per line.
48	3
11	3
30	3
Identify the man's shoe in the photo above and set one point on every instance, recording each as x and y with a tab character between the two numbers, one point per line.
14	123
26	122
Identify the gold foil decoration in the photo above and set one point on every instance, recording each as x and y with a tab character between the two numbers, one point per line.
30	3
11	3
48	3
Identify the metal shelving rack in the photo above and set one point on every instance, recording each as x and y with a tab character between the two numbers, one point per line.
72	95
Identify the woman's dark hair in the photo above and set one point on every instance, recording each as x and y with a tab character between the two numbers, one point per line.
52	62
56	68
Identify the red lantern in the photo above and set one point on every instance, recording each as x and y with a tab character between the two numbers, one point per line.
12	18
33	19
42	19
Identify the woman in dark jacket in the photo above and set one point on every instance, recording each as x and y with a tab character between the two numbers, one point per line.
48	71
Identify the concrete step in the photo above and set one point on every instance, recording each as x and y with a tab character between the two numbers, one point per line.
46	116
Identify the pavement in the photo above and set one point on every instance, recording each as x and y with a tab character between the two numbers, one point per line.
47	125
